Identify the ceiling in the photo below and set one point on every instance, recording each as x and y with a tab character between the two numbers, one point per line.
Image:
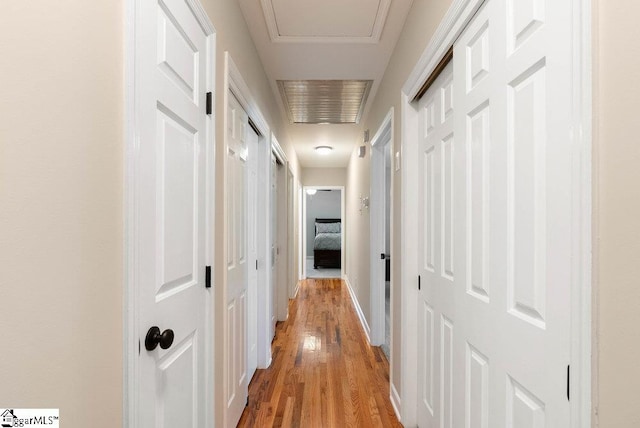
325	40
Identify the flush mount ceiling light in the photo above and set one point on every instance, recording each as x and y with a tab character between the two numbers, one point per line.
311	192
324	150
324	101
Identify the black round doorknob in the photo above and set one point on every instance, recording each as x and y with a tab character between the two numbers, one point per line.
155	338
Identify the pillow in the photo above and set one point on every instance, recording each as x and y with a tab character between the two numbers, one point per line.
327	227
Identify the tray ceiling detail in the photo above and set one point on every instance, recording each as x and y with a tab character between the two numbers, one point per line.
325	21
324	40
324	101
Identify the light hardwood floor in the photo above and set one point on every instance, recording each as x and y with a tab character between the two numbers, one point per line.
324	373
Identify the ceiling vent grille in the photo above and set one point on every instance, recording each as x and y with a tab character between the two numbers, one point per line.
324	101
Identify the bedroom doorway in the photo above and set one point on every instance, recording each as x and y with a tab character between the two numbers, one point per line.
323	232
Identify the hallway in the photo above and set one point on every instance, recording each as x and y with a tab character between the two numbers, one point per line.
486	159
324	373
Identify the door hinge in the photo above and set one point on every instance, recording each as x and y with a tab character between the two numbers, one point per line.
207	277
418	282
256	264
209	103
568	382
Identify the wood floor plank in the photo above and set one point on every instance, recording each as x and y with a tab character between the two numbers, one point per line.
324	373
287	417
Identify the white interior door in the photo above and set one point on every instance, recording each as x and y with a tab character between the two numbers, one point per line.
237	261
282	248
436	252
171	214
252	207
495	250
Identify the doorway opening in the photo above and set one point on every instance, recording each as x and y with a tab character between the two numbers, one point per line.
380	262
323	232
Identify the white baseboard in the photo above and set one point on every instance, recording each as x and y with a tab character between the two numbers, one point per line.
295	291
395	401
356	304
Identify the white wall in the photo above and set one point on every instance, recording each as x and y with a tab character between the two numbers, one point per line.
324	204
324	176
357	233
617	211
61	208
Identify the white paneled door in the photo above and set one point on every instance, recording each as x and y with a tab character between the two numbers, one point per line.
235	314
170	221
252	267
438	275
495	230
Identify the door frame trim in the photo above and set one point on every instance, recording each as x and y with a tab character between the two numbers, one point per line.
281	288
583	380
277	150
300	215
131	333
292	230
382	138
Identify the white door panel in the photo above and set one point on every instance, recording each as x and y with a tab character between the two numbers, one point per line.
237	266
438	272
172	213
495	224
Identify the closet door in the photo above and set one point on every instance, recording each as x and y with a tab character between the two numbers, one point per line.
236	358
495	223
437	303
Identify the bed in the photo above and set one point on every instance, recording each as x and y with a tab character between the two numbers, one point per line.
327	244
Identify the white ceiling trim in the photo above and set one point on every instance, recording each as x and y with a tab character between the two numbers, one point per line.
376	33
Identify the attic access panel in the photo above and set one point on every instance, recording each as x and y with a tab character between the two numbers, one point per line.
324	101
326	21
